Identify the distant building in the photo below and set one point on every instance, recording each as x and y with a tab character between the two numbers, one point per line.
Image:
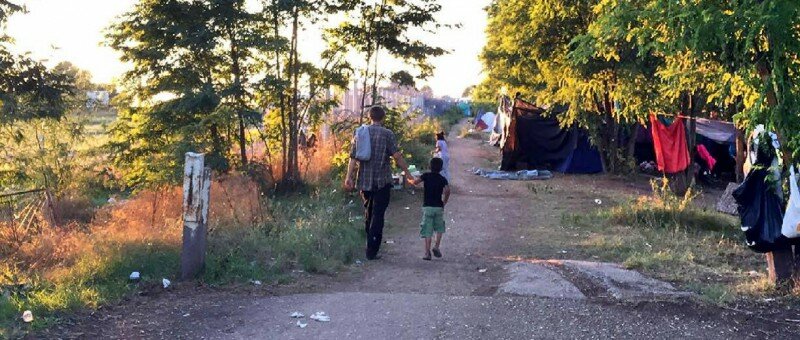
95	98
392	96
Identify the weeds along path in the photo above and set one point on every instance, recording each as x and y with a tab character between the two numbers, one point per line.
465	295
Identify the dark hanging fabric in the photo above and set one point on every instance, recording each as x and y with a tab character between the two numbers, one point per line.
535	140
759	206
669	143
584	159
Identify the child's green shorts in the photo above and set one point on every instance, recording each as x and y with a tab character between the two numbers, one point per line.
432	220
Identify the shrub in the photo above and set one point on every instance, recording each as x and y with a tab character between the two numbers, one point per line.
664	209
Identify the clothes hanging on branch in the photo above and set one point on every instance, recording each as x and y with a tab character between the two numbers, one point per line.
760	205
791	220
669	142
706	156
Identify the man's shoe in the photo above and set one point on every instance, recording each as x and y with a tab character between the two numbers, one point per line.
376	257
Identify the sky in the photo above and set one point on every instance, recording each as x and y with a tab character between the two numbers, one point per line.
73	30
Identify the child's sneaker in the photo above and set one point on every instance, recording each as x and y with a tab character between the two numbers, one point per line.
436	252
427	257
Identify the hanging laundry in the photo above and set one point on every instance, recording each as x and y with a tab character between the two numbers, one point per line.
759	202
669	142
791	220
706	156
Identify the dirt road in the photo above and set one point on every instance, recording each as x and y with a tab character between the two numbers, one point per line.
500	278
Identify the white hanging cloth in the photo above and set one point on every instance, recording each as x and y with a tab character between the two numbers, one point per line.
791	219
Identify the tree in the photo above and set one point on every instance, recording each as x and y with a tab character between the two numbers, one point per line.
554	52
28	90
190	89
386	26
34	135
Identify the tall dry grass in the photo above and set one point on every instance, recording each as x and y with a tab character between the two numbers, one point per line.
251	236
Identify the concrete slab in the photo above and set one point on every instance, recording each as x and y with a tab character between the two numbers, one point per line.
533	279
622	283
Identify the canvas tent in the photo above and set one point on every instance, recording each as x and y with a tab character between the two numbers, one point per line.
531	139
485	122
584	159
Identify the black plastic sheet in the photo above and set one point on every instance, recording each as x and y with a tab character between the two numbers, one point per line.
760	208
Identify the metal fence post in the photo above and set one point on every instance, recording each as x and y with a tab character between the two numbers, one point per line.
196	189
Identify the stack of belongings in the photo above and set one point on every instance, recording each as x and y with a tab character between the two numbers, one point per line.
759	197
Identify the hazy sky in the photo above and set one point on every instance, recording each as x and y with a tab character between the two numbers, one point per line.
72	30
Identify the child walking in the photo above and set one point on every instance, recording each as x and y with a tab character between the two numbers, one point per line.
437	193
442	152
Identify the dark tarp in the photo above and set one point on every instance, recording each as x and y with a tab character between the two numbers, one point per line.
716	130
535	140
760	207
584	159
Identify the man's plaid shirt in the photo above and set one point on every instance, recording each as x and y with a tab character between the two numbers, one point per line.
376	173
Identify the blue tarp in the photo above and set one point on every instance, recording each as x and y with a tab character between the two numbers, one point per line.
584	159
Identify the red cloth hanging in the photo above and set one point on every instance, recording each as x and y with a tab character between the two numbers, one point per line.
672	154
706	156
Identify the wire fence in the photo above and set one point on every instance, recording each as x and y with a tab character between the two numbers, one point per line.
23	214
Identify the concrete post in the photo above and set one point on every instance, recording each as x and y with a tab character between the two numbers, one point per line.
196	189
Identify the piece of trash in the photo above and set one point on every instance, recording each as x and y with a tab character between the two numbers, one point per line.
301	324
186	315
453	220
27	316
563	251
135	276
598	201
255	282
358	261
321	317
482	270
166	283
334	191
389	241
753	273
522	237
408	208
768	300
297	315
792	320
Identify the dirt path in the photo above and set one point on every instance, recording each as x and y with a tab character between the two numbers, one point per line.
478	290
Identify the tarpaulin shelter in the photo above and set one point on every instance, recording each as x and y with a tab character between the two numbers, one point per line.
531	139
584	159
485	121
718	138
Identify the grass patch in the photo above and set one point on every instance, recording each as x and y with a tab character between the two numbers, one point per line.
668	237
314	231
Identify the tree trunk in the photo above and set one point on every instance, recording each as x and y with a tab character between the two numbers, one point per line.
780	264
630	154
294	121
238	94
276	24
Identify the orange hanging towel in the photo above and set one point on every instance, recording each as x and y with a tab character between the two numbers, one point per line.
672	154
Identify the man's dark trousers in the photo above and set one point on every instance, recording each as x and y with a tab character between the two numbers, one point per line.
375	204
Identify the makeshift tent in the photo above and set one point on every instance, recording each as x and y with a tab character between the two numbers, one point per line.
533	140
718	131
489	119
716	136
584	159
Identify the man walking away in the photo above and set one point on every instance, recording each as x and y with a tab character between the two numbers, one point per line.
374	178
